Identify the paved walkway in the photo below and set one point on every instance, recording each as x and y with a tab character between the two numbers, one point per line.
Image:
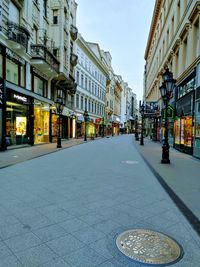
20	154
182	175
66	208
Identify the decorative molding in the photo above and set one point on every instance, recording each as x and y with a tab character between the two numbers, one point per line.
195	12
184	33
176	45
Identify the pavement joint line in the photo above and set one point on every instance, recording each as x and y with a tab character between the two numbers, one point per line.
188	214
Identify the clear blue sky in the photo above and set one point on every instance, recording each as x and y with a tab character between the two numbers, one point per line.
120	27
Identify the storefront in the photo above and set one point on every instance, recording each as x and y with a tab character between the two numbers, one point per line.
17	118
197	115
184	120
41	122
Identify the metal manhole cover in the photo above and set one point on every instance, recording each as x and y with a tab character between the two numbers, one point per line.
130	162
149	247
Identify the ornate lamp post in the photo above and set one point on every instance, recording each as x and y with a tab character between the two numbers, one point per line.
166	90
142	130
86	118
136	128
59	105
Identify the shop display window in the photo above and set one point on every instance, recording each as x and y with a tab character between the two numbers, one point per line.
41	123
16	124
177	131
54	127
188	132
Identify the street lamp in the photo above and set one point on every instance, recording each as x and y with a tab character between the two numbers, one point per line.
166	90
142	115
59	105
136	128
86	118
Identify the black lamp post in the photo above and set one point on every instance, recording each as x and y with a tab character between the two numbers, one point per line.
166	90
142	130
86	118
136	128
59	105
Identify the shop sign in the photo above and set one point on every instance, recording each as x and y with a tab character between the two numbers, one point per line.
20	98
2	92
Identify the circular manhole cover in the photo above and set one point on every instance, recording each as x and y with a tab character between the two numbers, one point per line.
149	247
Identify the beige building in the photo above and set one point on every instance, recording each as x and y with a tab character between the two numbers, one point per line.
36	59
174	43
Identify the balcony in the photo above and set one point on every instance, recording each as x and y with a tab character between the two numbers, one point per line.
44	60
73	59
73	32
18	36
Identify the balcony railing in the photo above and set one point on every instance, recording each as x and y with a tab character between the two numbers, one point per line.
42	52
17	33
73	32
73	59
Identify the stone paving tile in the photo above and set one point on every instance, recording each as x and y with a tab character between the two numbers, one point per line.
101	248
106	226
12	230
73	225
50	232
35	256
85	257
23	242
10	261
58	262
91	218
65	245
88	235
36	222
4	251
55	215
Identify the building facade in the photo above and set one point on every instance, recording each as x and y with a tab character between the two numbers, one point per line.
91	78
174	43
35	37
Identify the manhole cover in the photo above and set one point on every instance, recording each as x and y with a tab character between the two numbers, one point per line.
148	247
130	162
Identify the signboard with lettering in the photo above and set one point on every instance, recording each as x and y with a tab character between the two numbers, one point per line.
2	92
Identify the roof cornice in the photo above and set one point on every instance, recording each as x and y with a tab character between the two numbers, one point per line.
154	21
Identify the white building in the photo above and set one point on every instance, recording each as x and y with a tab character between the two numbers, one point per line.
91	76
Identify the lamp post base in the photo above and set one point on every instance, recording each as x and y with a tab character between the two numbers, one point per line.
59	143
85	138
165	154
141	142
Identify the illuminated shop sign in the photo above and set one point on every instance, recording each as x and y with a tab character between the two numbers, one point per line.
20	98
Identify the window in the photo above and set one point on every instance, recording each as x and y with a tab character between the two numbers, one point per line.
35	34
15	72
81	102
55	16
86	83
89	86
77	101
55	52
92	87
85	103
82	80
39	86
77	77
45	8
92	107
89	107
14	14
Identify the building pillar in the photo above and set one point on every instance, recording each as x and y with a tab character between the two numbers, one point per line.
190	52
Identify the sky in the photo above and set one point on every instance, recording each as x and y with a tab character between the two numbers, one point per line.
122	28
